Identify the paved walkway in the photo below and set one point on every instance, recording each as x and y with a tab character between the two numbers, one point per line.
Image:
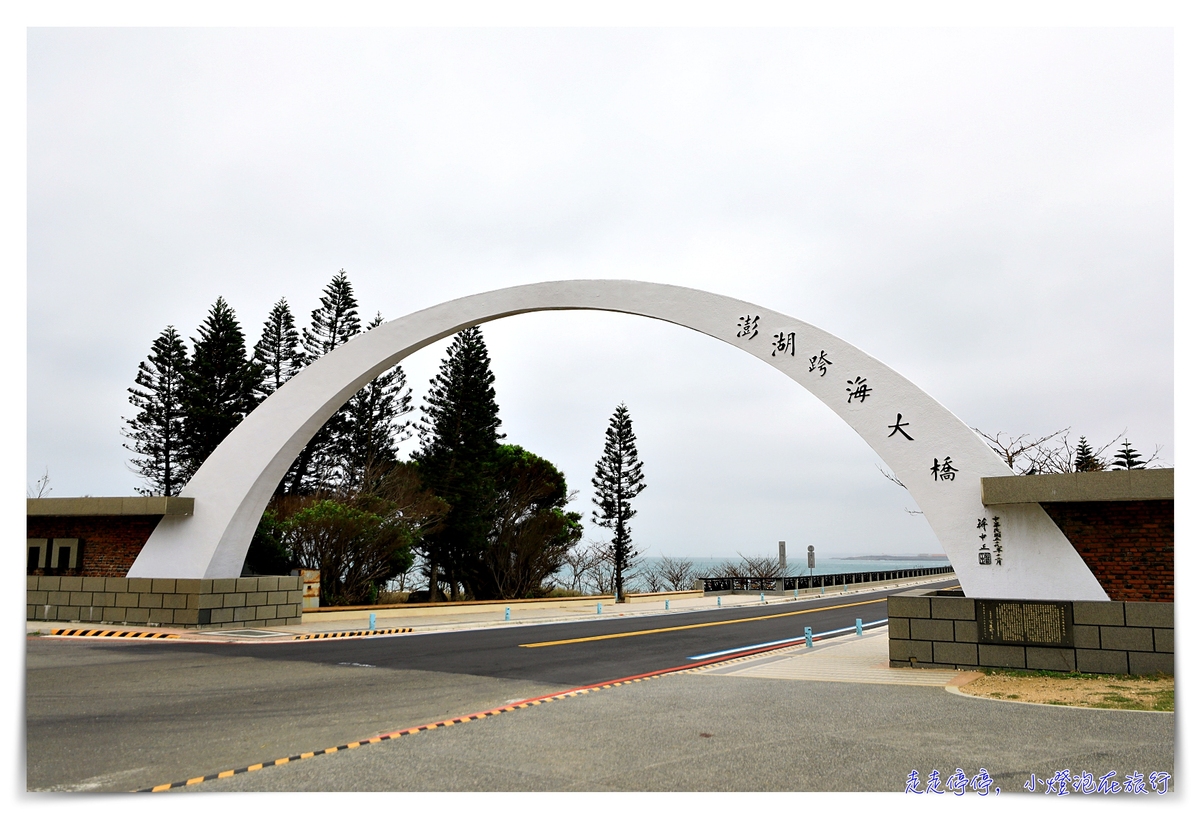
860	659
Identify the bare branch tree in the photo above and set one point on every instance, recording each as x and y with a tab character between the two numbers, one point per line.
1061	455
679	573
578	565
757	567
891	476
1023	452
42	487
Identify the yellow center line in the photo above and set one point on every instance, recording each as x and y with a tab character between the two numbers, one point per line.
700	625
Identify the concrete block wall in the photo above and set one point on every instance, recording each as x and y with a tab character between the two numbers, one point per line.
245	602
927	630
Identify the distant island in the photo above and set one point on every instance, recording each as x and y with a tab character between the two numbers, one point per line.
896	557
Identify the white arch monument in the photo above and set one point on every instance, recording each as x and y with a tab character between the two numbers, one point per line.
937	457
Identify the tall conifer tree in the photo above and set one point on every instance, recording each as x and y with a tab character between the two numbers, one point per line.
367	444
1128	458
278	350
618	480
332	324
1085	458
459	435
219	385
156	431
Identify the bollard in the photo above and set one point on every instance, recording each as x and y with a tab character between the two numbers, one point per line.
372	622
718	602
762	598
597	607
858	626
666	604
822	589
843	587
795	594
507	613
807	637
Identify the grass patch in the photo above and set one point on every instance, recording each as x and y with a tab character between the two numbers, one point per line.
1105	691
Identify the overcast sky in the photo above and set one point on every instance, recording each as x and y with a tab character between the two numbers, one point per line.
989	212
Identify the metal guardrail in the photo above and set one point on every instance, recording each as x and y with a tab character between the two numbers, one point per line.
731	584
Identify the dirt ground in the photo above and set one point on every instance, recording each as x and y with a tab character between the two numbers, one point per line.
1113	692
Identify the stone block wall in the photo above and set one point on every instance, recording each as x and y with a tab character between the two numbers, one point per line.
245	602
1129	546
927	630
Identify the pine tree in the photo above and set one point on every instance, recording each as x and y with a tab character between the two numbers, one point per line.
459	435
367	444
278	350
332	324
1128	458
156	431
618	480
218	386
1085	458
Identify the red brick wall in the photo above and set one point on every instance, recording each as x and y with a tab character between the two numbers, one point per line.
109	544
1130	546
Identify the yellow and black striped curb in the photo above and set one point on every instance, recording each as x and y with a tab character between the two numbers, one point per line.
333	635
508	708
120	634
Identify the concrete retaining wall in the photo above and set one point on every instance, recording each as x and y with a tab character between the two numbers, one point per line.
929	630
208	603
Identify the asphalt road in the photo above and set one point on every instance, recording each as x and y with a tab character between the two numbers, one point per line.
696	732
120	715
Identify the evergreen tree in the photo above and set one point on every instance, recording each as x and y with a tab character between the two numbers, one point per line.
618	480
332	324
459	435
278	350
1085	458
156	431
367	443
1128	458
218	386
532	532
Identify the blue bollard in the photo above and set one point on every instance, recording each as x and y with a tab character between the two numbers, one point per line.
762	598
822	589
807	637
718	602
372	621
598	609
858	626
844	587
795	594
666	604
507	613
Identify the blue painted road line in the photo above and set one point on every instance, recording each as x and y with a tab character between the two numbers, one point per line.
782	642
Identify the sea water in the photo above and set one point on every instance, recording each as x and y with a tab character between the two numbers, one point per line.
798	565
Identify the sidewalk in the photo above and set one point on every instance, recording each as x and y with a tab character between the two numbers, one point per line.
426	620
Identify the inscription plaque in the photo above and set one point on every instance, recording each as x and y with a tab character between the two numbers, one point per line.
1024	623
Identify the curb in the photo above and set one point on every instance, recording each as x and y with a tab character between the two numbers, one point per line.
114	634
340	634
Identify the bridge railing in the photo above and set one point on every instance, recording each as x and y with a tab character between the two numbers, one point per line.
805	582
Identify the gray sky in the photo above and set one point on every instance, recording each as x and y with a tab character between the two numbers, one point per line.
987	211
